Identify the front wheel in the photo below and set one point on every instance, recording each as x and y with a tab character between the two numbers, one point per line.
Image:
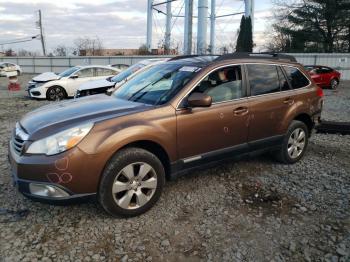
55	93
131	183
294	143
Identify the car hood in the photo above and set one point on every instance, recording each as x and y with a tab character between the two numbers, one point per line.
47	76
95	84
53	118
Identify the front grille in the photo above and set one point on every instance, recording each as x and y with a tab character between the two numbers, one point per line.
19	138
18	144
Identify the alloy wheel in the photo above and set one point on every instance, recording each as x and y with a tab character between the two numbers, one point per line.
56	93
296	143
334	84
134	185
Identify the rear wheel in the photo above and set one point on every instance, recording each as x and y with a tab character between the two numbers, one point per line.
294	143
334	83
131	183
55	93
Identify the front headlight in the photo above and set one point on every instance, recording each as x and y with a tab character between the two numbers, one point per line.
61	141
38	84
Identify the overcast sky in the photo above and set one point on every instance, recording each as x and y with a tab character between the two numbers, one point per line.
118	23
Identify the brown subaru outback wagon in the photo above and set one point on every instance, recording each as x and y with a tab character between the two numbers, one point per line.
185	113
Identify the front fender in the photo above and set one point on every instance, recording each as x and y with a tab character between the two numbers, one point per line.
108	140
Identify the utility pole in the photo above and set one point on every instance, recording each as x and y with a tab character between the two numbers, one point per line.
167	28
149	25
188	27
202	27
249	11
41	33
212	26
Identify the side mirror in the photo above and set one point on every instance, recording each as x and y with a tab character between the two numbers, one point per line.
199	100
74	76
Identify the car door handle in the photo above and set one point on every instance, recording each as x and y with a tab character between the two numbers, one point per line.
288	101
240	111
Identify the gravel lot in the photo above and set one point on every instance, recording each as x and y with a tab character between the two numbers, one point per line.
250	210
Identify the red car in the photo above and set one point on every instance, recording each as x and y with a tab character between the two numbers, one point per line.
324	76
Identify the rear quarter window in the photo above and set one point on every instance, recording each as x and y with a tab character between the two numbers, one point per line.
296	78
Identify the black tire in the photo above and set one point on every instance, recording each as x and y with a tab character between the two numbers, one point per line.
334	83
121	160
282	155
55	93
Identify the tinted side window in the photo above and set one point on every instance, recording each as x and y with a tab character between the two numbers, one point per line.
295	77
224	84
88	72
263	79
104	72
326	70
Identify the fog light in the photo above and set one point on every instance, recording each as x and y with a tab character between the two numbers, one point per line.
47	190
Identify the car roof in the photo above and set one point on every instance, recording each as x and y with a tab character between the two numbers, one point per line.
199	61
205	60
152	60
318	66
99	66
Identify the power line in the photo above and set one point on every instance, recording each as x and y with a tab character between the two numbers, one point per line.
20	40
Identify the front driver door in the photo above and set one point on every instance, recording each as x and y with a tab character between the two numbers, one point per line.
212	133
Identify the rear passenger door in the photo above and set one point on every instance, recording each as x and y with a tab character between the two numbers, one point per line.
269	100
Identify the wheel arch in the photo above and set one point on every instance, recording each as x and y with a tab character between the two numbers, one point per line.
306	119
150	146
335	78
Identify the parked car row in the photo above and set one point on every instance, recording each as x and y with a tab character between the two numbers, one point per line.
56	87
176	115
110	83
6	67
81	81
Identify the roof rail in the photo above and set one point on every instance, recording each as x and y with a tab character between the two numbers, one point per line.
242	55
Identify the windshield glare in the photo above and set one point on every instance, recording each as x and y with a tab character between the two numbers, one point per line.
126	73
69	71
156	85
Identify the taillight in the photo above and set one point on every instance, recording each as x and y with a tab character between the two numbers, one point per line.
319	92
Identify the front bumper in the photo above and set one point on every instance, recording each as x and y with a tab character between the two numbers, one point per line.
36	92
71	172
24	188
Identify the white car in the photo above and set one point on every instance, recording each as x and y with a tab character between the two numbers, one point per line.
6	67
56	87
102	85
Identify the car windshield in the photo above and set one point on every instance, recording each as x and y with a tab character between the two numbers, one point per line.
156	85
126	73
69	71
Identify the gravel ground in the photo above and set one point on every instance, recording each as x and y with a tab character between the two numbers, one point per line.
249	210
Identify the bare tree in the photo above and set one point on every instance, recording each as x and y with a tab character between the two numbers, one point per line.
24	52
88	46
61	50
9	52
143	50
